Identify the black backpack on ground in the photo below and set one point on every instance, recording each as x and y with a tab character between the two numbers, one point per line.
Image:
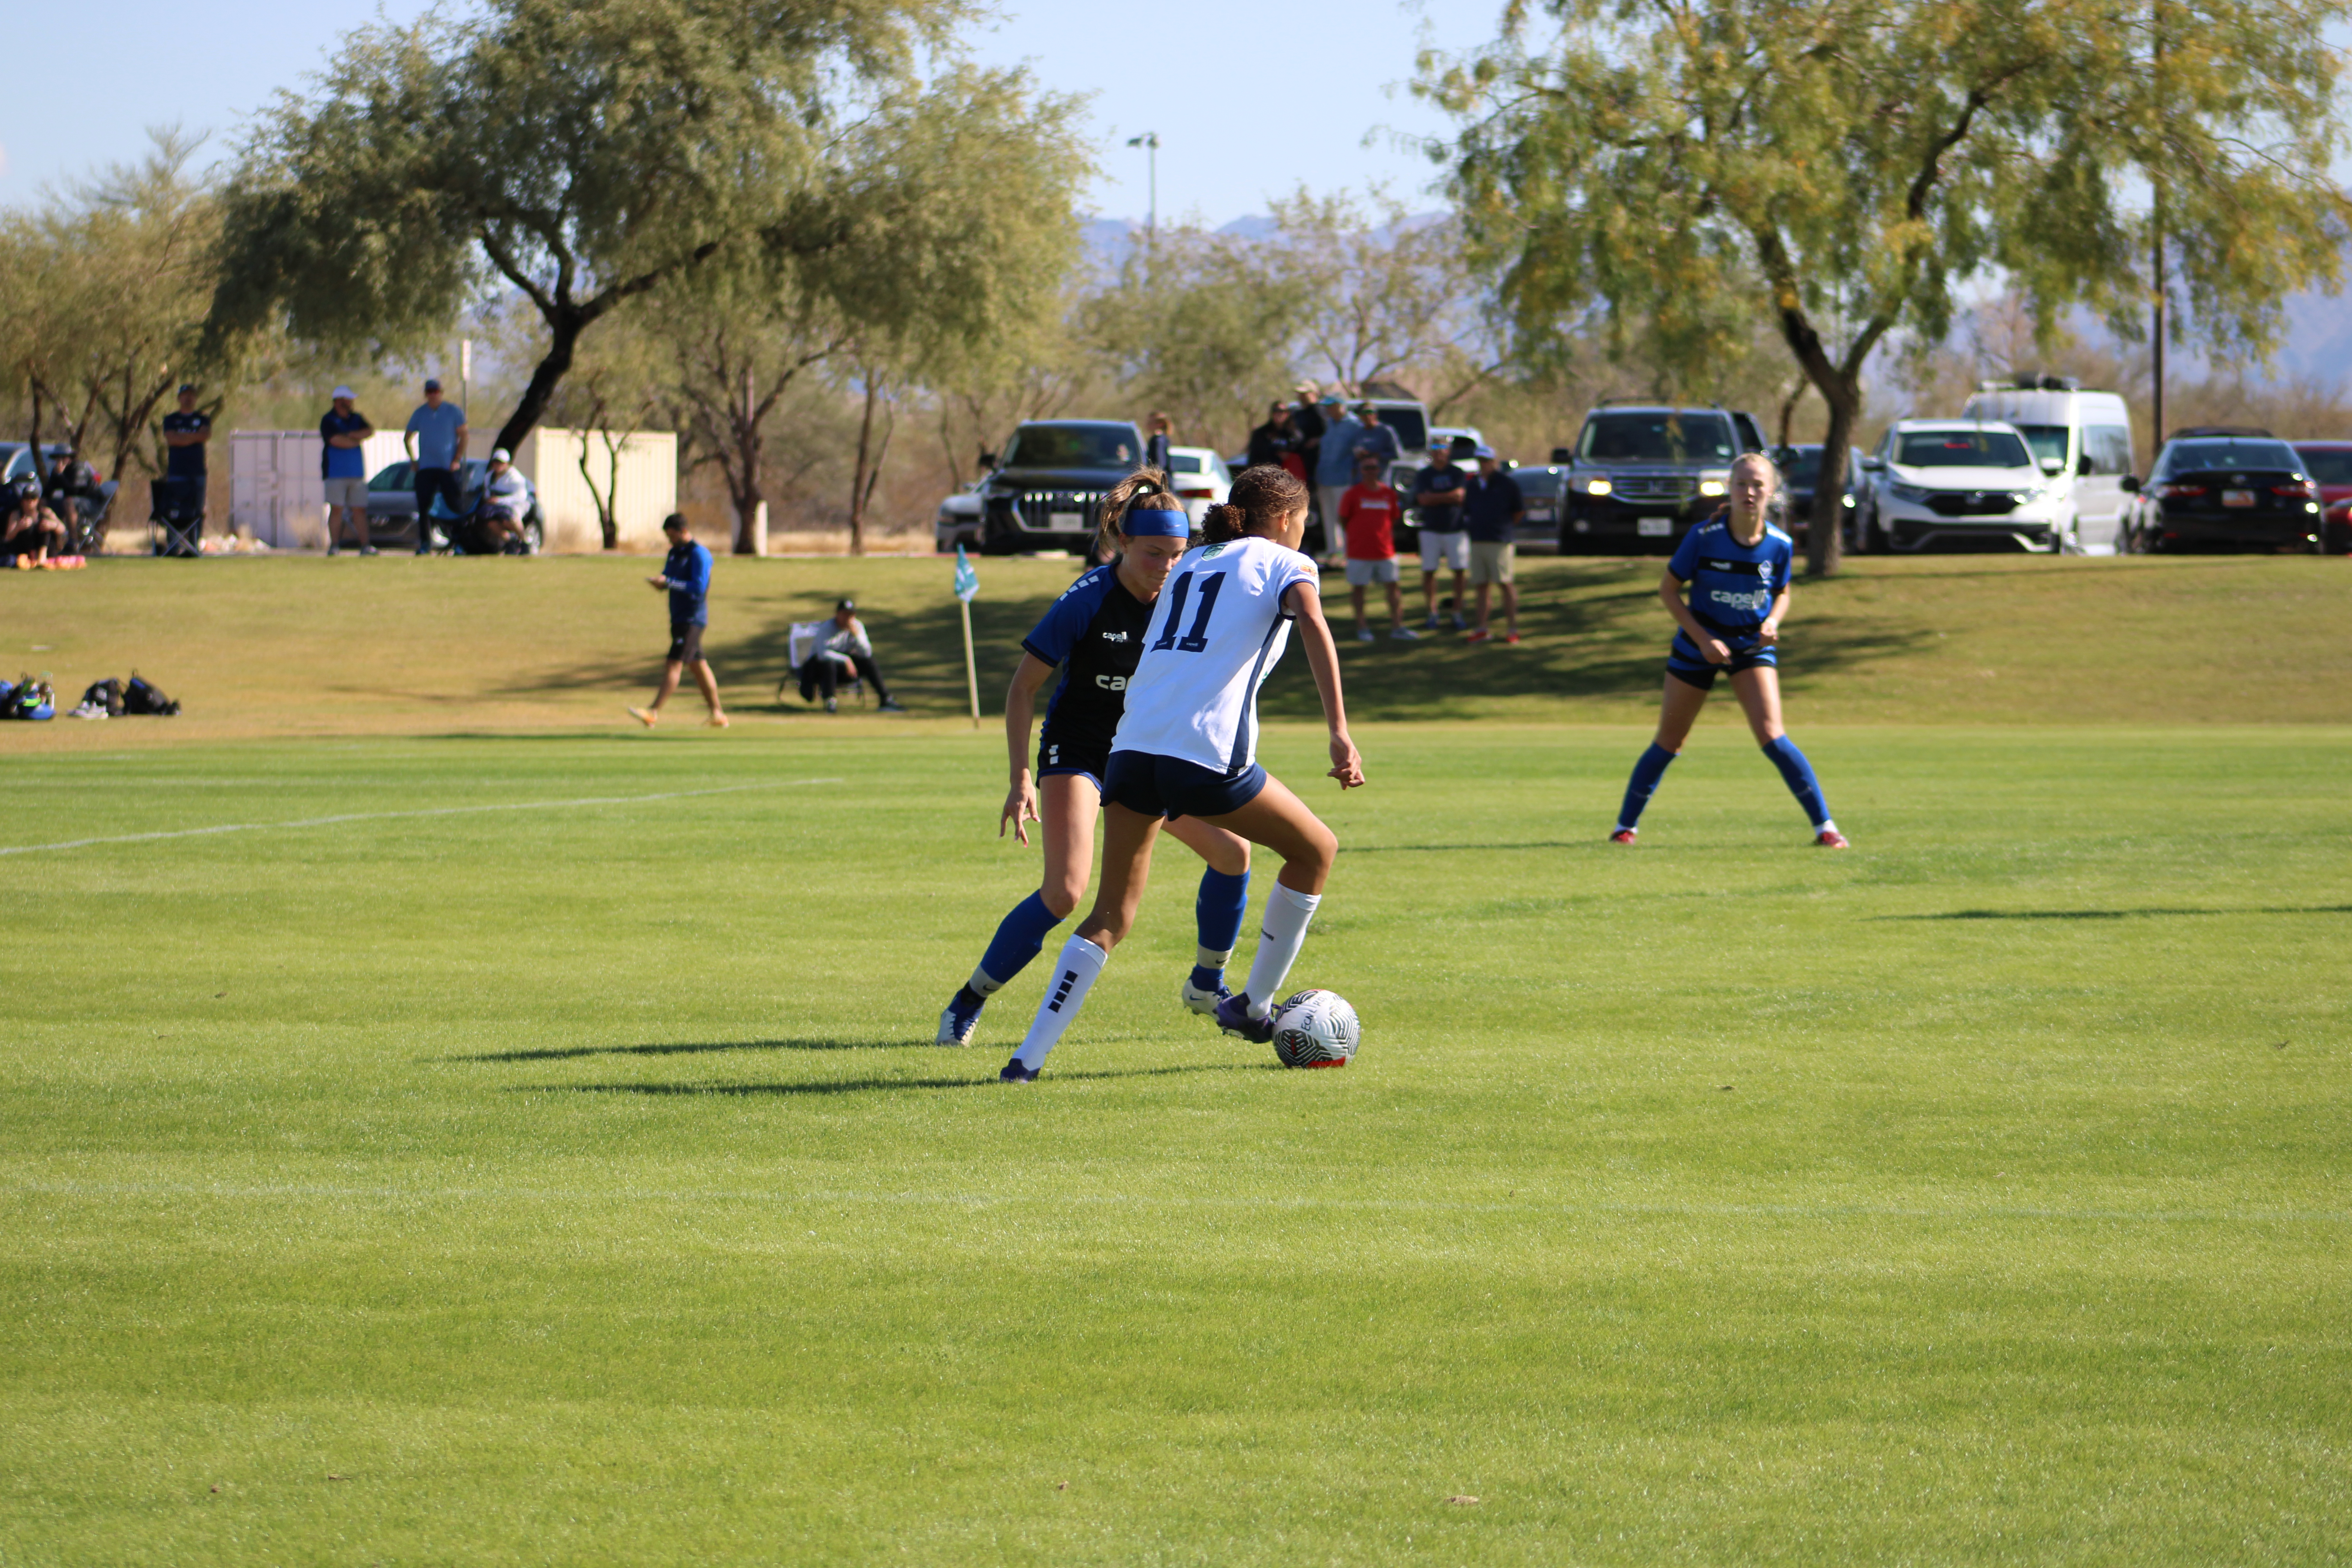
138	697
106	694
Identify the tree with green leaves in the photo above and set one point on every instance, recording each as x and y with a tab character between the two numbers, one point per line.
1846	168
585	154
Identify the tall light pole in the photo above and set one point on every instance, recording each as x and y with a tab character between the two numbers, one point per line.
1149	142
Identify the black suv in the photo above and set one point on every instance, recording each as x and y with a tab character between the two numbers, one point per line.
1042	493
1641	475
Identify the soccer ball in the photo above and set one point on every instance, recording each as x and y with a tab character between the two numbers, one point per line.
1315	1029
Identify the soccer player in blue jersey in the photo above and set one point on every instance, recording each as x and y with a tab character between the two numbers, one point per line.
1735	568
1186	751
1093	634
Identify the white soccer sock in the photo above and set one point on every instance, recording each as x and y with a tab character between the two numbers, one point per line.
1281	933
1073	976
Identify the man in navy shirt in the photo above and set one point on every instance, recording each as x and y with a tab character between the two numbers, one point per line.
1492	507
685	578
342	464
1437	495
185	431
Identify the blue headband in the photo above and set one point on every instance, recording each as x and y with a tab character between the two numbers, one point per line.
1150	520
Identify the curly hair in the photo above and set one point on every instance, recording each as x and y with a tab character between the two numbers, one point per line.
1262	496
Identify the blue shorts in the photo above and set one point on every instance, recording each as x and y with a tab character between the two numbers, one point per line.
1687	664
1170	786
1088	759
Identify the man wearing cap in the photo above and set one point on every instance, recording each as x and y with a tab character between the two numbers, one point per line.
506	497
186	431
1335	466
1491	509
435	441
841	648
686	578
344	466
1275	441
1438	492
1308	421
1376	436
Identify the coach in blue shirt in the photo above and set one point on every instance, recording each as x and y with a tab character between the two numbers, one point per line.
685	578
344	466
436	445
1491	509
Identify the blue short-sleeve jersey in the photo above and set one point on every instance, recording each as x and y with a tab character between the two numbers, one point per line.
1095	633
1731	585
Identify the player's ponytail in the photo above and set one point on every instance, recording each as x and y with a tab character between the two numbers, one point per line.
1261	498
1144	485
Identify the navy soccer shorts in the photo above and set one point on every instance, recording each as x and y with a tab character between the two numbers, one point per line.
1172	787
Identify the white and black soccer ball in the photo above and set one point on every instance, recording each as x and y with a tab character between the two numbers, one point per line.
1315	1029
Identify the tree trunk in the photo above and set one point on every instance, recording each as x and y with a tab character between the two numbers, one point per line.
743	486
563	329
1825	534
858	489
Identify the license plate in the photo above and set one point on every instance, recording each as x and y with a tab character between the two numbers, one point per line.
2237	498
1539	514
1654	527
1065	521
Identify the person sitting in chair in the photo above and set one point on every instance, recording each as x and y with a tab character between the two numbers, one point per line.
32	529
506	497
843	648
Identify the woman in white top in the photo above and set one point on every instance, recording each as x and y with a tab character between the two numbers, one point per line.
1186	746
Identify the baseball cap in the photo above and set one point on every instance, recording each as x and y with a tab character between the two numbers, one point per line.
341	392
501	455
1328	400
432	383
187	387
849	605
1484	454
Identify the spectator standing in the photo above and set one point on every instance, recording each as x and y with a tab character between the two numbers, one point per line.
1376	436
1275	441
1156	443
186	430
1438	492
843	646
1370	508
686	578
1335	468
1310	420
344	466
1491	510
435	443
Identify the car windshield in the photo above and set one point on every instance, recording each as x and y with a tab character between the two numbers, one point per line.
1070	447
1961	449
1656	438
1181	464
1412	429
2328	465
2047	440
1801	465
2191	456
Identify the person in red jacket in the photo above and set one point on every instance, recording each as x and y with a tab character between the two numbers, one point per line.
1370	508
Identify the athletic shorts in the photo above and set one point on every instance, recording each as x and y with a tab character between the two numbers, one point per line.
1172	787
1687	664
685	641
348	492
1088	760
1363	573
1440	552
1490	562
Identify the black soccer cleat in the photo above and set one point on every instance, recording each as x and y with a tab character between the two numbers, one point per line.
1015	1073
1233	1017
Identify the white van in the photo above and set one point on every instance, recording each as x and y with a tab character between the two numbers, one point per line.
2083	441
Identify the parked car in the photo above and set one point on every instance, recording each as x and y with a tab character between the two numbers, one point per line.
1542	486
392	504
2226	489
1641	475
960	518
1970	482
1801	472
1201	481
2330	464
1042	494
2082	441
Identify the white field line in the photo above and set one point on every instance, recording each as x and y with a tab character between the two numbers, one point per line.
392	816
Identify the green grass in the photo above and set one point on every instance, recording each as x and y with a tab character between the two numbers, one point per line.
568	1182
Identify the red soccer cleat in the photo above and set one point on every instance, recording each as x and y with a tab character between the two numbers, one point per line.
1622	836
1831	838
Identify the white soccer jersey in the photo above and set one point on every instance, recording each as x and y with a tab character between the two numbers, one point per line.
1218	629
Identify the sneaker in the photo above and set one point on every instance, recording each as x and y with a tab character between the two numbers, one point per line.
833	704
1831	838
367	549
1015	1073
334	549
718	721
1622	836
645	716
1461	623
1363	634
1512	638
1479	637
1205	1003
423	549
957	1023
889	705
1405	634
1233	1017
1433	623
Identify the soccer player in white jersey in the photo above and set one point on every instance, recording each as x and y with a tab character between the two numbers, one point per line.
1735	567
1187	747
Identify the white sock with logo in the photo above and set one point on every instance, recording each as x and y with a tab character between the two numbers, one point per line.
1280	934
1066	990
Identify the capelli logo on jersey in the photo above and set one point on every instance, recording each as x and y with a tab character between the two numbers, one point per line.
1111	682
1113	637
1755	601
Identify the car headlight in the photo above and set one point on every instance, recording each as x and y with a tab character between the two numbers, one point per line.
2025	498
1848	499
1916	494
1711	486
1597	487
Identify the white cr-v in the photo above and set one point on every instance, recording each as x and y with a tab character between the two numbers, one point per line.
1937	480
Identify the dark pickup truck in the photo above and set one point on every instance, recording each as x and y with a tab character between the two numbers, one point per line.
1641	475
1044	490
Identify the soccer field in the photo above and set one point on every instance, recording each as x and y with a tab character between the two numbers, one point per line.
538	1161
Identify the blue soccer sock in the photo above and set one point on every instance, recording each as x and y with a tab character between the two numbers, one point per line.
1644	783
1223	901
1798	773
1018	937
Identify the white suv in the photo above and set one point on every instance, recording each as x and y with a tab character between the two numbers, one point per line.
1939	481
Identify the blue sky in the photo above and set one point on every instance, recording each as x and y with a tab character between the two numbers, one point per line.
1320	80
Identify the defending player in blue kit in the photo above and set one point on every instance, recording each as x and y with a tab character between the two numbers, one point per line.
1186	749
1736	569
1095	634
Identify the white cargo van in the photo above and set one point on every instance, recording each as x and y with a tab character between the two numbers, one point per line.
2083	441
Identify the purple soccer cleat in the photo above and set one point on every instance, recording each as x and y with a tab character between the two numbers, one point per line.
1015	1073
1233	1017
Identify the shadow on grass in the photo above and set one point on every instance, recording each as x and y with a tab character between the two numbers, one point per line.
871	1085
681	1048
2113	914
1451	848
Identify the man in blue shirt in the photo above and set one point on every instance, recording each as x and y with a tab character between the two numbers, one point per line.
344	466
1491	509
1335	466
686	578
436	440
